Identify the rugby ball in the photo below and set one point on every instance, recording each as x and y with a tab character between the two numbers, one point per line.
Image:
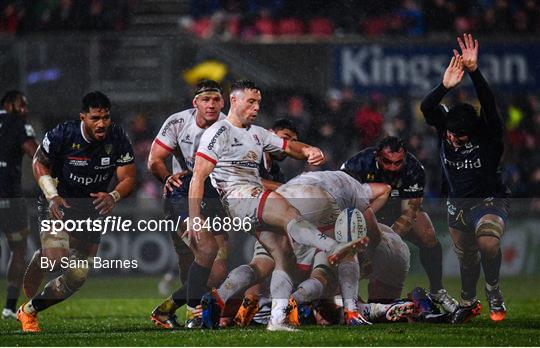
350	225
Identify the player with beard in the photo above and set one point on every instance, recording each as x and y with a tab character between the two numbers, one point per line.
73	167
470	148
17	139
391	163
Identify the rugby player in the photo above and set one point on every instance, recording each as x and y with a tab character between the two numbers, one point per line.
83	155
17	139
319	197
230	152
207	257
391	163
471	146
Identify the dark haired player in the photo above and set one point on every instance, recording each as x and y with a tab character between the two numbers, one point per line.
391	163
269	170
206	261
83	155
471	147
16	139
230	152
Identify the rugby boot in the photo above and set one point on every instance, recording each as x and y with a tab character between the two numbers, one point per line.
342	250
497	309
273	325
400	310
194	318
292	313
164	320
212	305
465	313
306	314
247	310
354	318
29	322
444	300
8	314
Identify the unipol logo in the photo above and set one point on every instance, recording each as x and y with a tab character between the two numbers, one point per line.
374	66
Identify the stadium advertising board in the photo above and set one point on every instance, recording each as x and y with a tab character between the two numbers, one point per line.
415	68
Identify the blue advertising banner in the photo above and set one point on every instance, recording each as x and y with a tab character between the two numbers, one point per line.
416	67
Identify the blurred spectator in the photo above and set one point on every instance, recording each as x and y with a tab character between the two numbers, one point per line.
299	116
440	15
65	17
10	18
368	122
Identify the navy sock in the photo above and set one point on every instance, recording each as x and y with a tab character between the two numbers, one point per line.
196	283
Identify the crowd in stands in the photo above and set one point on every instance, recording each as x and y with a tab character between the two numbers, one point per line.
243	19
24	16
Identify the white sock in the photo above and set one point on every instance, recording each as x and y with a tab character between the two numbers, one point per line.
309	290
29	308
348	276
304	232
280	288
238	279
373	311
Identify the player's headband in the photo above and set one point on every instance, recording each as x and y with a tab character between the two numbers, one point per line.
202	90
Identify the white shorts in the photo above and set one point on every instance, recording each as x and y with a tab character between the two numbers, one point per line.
246	201
314	204
391	259
307	258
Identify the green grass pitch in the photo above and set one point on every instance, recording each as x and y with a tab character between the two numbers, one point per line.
115	312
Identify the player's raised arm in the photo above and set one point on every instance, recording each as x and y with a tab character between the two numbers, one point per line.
434	113
489	114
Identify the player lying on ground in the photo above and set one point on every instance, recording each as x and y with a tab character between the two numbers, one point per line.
230	152
204	262
471	147
83	155
319	197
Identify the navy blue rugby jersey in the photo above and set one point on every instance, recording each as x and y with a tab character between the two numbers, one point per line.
14	131
472	170
408	184
82	166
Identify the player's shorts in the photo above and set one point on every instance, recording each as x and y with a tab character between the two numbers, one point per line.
81	209
314	204
464	214
246	201
176	205
390	260
14	218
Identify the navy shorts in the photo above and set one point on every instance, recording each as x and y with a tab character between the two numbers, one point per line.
464	214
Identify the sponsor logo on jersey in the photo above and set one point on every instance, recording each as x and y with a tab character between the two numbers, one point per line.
170	124
105	161
251	156
88	180
214	138
467	164
256	138
469	148
108	149
125	158
413	188
46	143
78	161
236	142
75	146
371	177
256	191
394	193
248	164
187	140
29	130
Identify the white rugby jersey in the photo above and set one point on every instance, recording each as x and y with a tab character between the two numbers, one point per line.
236	153
180	131
348	192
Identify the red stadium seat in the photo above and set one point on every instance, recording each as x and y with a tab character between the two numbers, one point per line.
290	26
321	27
265	26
